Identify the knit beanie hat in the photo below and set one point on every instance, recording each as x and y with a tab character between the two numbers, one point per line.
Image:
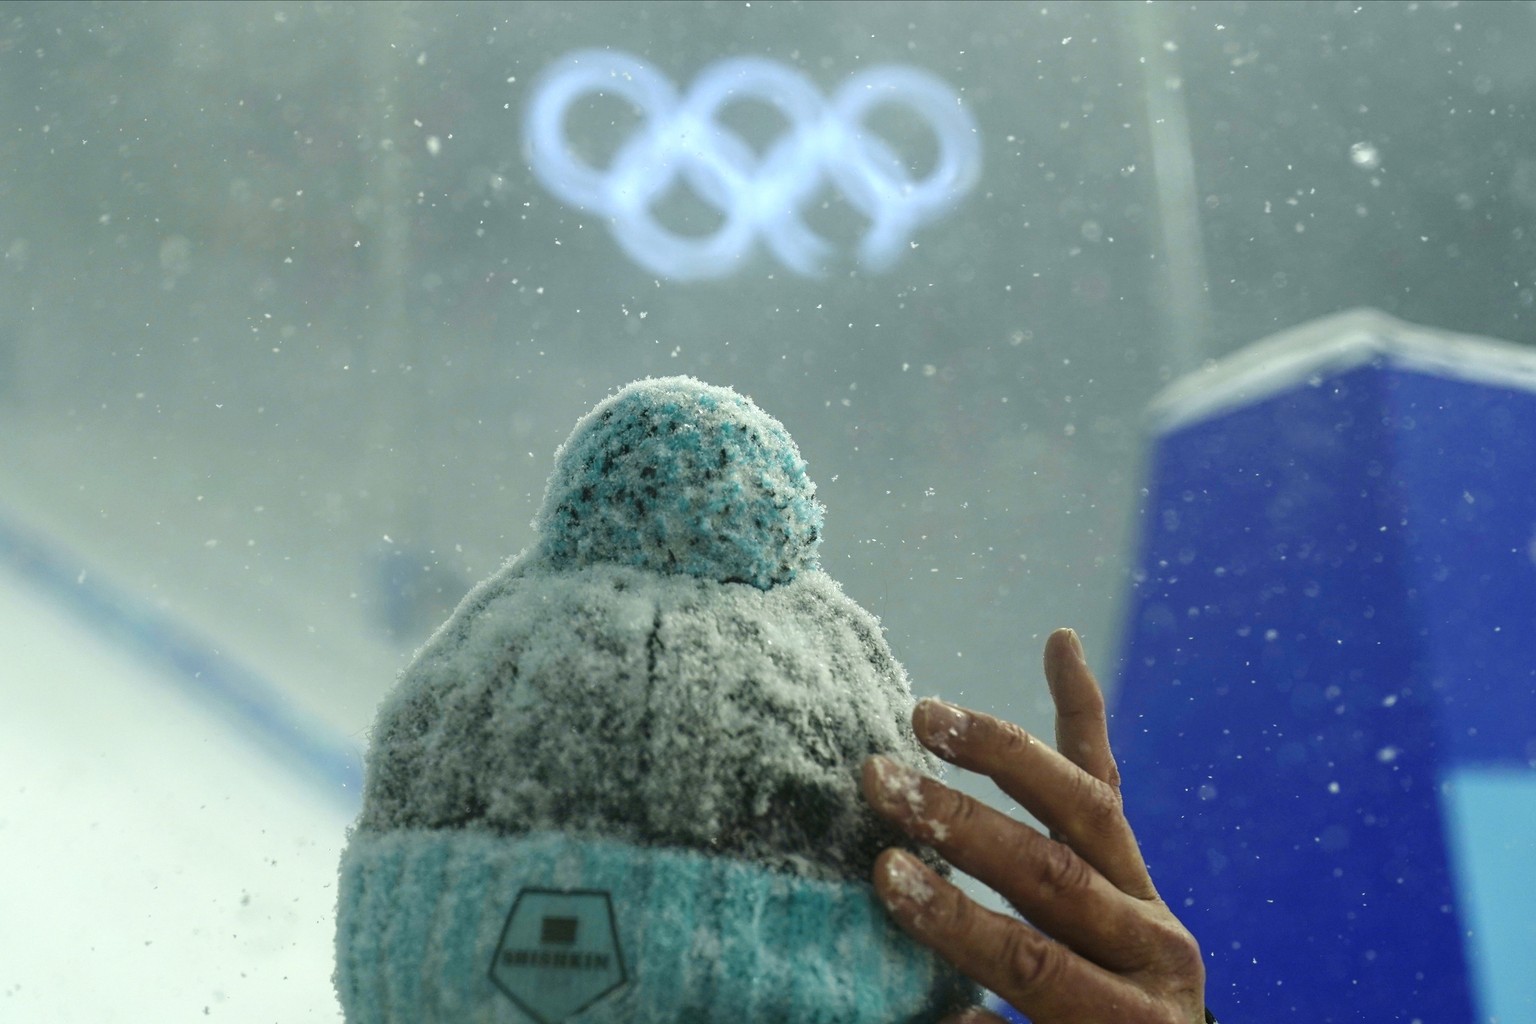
620	784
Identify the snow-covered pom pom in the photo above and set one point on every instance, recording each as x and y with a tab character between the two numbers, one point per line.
677	476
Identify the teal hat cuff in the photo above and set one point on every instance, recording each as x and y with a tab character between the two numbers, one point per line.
440	926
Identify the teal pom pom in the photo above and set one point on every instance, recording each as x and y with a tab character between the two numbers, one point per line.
676	476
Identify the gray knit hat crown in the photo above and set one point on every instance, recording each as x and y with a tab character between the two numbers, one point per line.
667	666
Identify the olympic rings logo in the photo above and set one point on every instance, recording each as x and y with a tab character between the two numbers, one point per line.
681	140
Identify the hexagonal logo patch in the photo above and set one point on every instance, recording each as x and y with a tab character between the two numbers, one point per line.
559	952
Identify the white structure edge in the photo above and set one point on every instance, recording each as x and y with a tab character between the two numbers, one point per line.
1327	347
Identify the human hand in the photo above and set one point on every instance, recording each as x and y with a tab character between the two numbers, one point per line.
1104	948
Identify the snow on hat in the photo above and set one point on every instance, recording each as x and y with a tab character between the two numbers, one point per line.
619	785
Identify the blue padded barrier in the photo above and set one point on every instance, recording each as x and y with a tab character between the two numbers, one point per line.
1326	716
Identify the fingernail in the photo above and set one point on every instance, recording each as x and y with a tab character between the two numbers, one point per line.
974	1015
898	784
1075	642
899	792
943	724
906	877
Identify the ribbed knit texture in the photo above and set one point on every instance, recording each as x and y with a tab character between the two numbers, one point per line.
705	940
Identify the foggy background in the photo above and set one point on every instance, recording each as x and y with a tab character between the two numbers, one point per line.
289	332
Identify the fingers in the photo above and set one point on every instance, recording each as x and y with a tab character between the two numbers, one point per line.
1081	810
1106	948
1082	730
1050	884
1033	973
